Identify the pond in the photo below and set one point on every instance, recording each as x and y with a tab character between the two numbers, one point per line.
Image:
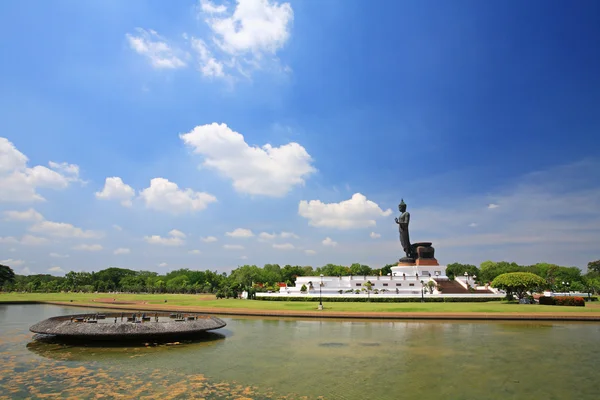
259	358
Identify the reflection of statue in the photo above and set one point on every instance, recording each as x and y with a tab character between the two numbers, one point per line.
403	222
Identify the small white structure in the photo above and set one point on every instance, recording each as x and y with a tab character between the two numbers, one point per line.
403	280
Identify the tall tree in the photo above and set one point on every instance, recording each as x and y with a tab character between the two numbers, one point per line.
7	275
594	266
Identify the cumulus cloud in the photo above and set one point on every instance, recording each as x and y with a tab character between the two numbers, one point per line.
310	252
174	238
374	235
27	240
240	233
255	27
56	269
57	255
28	215
233	247
151	45
209	239
208	64
177	233
64	230
492	206
163	195
12	263
267	170
265	236
329	242
117	228
358	212
20	183
283	246
211	8
88	247
472	224
163	264
115	189
122	250
194	252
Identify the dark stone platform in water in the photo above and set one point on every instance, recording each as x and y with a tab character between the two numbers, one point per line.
120	326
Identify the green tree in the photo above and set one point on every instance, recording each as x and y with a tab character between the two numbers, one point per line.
7	275
518	283
456	269
490	269
594	266
368	286
359	269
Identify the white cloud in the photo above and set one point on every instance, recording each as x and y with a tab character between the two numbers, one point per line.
255	27
194	252
243	257
69	169
163	195
12	263
374	235
64	230
28	215
209	66
28	240
115	189
88	247
288	235
177	233
57	255
283	246
472	224
150	44
268	171
265	236
19	183
358	212
209	7
176	238
209	239
492	206
310	252
329	242
233	247
163	264
122	250
117	228
240	233
166	241
56	269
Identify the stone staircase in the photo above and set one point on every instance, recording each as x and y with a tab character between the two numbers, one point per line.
453	287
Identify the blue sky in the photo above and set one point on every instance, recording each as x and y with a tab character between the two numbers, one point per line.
288	132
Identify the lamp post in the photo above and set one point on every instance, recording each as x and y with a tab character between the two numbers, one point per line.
567	284
422	292
467	279
320	296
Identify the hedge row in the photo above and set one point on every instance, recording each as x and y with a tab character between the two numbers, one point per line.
574	301
375	299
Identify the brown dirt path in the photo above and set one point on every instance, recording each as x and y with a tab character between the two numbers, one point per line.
550	316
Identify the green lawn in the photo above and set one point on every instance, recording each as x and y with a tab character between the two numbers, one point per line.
210	301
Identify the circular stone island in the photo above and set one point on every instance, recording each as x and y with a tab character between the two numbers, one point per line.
127	325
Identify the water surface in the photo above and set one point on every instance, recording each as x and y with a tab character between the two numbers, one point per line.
262	358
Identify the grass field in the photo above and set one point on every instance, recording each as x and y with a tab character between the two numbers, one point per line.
209	301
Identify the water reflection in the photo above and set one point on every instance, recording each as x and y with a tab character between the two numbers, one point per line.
64	349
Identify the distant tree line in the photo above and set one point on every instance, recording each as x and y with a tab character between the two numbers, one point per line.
252	278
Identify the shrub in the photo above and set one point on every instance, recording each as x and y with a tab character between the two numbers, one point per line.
569	301
303	288
546	300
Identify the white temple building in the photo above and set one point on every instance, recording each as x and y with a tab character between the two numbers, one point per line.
406	280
